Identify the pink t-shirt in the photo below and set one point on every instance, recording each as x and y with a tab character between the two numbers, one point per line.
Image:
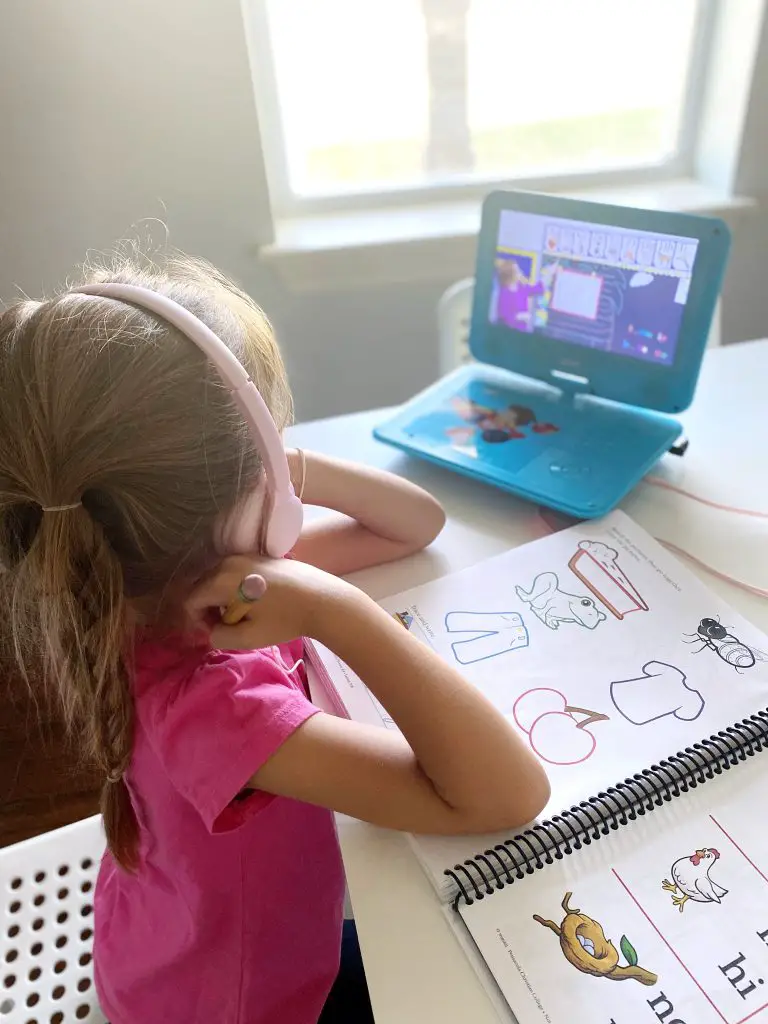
235	913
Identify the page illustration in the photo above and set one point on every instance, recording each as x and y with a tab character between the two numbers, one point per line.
554	606
733	651
584	945
691	879
597	566
486	634
404	618
659	690
557	731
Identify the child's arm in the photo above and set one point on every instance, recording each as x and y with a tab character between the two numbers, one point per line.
458	767
382	517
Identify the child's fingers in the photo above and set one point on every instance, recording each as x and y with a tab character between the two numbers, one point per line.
234	613
234	638
216	592
224	589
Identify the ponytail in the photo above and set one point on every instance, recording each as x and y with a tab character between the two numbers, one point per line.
70	624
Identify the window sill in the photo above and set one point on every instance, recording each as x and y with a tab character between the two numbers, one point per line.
436	242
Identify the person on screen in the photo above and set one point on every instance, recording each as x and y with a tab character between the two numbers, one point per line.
515	295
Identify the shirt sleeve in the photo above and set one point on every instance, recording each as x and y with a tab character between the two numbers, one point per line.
214	730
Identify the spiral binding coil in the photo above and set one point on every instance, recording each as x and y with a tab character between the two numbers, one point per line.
558	837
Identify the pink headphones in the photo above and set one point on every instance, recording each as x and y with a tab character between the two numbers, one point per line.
284	510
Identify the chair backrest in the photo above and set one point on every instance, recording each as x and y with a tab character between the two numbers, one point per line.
454	312
46	942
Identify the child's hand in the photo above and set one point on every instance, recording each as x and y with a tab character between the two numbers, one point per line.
296	598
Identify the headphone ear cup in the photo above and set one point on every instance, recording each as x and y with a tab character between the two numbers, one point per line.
261	523
240	532
283	528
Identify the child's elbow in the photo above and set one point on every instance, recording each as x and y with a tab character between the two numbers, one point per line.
535	799
516	807
430	521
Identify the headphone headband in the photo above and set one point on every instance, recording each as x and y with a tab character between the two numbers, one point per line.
285	514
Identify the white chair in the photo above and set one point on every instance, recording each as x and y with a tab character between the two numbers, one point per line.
454	311
454	314
46	943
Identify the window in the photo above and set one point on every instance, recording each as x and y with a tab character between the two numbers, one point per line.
391	98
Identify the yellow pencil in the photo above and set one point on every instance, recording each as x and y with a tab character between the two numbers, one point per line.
234	613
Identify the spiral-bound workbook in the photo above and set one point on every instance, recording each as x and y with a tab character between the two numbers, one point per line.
646	698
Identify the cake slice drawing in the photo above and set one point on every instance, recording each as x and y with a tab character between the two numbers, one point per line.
597	566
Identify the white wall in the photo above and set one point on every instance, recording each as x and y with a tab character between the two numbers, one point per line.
116	110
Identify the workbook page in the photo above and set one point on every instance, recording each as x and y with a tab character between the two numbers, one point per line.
664	920
603	651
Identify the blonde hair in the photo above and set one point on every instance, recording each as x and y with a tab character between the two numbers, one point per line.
104	404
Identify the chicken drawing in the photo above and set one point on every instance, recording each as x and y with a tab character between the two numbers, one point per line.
691	881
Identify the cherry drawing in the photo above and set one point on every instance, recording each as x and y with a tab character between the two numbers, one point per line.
557	731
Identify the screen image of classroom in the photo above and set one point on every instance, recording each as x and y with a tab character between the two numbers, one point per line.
594	285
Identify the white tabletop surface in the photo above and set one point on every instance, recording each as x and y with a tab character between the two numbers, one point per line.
416	970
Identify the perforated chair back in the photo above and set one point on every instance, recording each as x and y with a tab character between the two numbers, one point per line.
46	915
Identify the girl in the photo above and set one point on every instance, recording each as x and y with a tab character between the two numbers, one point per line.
126	470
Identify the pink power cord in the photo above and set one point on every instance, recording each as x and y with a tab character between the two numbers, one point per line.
658	481
753	513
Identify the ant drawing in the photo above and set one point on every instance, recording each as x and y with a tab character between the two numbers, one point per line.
726	646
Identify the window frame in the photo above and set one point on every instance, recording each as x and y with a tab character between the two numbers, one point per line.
286	203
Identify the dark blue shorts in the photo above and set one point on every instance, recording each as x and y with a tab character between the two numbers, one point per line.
348	1001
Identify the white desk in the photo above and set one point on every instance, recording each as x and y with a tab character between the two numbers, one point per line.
416	970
